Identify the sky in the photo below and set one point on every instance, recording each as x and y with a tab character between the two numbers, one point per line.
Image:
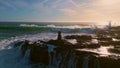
60	10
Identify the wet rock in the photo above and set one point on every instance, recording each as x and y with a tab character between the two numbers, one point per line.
107	62
83	41
66	55
25	46
80	37
115	50
115	42
105	43
61	43
86	59
18	44
105	39
39	54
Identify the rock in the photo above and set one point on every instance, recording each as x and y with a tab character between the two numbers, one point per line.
39	54
80	37
65	54
83	41
18	44
25	46
105	39
107	62
115	50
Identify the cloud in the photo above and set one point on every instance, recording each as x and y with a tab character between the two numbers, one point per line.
69	12
97	10
91	10
7	4
21	4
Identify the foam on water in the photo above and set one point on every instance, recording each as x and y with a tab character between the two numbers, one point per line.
103	50
8	43
29	25
73	26
56	26
70	26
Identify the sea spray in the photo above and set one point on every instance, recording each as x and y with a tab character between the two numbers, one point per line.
51	49
86	61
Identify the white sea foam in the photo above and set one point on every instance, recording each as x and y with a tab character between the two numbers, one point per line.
103	50
57	26
70	26
9	43
29	25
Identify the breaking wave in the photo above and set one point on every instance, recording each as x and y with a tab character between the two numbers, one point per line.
70	26
29	25
56	26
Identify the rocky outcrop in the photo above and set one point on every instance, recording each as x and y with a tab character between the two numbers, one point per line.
63	54
84	41
53	56
109	62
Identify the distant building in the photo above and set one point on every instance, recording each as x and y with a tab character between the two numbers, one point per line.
109	25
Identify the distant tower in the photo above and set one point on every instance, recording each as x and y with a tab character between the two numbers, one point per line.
109	25
59	35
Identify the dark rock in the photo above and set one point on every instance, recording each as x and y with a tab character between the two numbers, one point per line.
80	37
105	43
18	44
115	50
79	45
105	39
65	55
25	46
39	54
93	46
60	43
86	59
107	62
83	41
115	42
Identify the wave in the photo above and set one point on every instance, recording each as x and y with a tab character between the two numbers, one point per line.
69	26
56	26
13	31
28	29
29	25
63	28
8	43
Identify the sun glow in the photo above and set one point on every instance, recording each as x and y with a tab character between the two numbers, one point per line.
109	2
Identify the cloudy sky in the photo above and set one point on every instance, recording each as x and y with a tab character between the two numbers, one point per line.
60	10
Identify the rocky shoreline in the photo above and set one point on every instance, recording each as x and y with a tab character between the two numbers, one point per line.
61	53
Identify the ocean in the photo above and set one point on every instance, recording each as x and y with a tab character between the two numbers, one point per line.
15	29
10	31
